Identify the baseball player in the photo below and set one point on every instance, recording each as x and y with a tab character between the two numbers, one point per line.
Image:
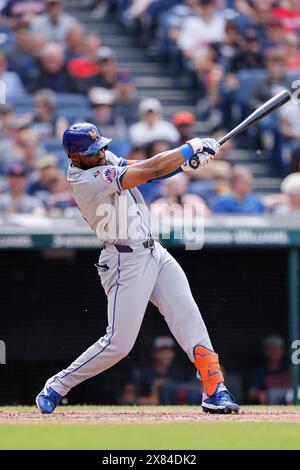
133	268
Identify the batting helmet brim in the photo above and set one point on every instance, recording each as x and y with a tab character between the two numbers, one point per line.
98	145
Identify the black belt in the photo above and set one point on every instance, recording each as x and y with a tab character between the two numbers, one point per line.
127	249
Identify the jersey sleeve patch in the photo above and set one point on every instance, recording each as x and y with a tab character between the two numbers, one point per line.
109	174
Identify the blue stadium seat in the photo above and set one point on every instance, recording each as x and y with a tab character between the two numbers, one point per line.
248	80
71	99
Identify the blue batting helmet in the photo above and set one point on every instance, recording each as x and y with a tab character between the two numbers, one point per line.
84	138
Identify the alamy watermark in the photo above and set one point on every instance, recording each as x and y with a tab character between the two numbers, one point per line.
296	354
125	221
2	353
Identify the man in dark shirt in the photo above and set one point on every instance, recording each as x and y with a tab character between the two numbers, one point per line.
270	383
52	72
160	372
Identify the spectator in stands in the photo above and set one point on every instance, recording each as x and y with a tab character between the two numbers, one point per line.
161	371
274	35
52	72
87	65
16	10
241	200
214	179
270	383
60	198
288	12
175	196
6	122
230	44
55	23
152	189
249	55
198	32
31	147
40	180
184	122
151	126
105	117
138	153
291	52
75	41
23	147
20	57
14	88
45	120
289	120
109	74
127	102
16	201
290	187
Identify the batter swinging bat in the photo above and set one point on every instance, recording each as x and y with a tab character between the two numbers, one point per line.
264	110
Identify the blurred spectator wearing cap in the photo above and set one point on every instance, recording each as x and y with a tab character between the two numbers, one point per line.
14	11
175	195
152	126
16	201
161	371
184	122
74	41
127	102
55	23
290	189
206	27
109	73
45	121
45	171
270	383
52	72
86	65
241	200
105	117
60	198
249	55
14	87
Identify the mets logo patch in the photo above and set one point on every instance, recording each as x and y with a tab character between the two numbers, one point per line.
94	135
109	174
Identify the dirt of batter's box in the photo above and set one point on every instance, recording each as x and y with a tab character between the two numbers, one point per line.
144	415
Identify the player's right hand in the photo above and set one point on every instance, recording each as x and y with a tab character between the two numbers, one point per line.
207	145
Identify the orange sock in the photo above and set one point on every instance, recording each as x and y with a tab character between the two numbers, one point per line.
207	364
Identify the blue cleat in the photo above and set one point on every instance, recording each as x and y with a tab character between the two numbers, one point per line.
221	402
47	400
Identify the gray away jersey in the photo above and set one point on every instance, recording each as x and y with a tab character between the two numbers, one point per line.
115	215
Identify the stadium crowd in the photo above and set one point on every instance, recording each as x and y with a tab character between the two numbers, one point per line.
234	54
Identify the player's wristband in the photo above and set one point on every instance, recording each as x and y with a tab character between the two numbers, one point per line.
187	152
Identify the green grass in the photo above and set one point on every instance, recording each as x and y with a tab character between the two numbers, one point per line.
151	436
169	436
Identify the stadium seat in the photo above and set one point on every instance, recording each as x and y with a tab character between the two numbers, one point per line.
71	99
248	80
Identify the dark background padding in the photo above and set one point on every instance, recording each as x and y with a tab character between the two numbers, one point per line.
52	308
